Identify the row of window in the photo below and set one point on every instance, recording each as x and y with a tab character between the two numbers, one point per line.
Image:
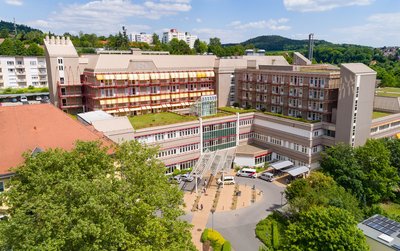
215	127
180	166
178	150
279	142
385	127
263	158
168	135
280	79
245	122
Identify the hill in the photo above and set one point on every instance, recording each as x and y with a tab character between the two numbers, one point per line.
279	43
20	27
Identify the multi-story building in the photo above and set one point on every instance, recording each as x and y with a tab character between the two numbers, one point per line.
316	93
141	37
20	72
185	36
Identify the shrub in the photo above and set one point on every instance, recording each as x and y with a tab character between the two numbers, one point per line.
227	246
215	238
204	235
271	229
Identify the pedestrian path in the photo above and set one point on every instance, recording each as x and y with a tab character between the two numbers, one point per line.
201	216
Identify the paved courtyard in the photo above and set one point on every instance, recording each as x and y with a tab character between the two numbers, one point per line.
238	225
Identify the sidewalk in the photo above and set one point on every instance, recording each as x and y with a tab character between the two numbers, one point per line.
200	217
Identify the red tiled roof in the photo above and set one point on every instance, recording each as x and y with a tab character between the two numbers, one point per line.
25	127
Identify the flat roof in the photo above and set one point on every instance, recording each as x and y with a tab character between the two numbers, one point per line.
90	117
297	170
251	149
382	230
281	164
27	127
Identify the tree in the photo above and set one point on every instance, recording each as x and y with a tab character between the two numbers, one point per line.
320	190
341	163
325	229
179	47
156	39
7	47
200	47
381	178
393	145
4	33
215	47
34	50
87	200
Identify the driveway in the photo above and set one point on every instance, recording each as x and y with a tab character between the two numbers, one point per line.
238	226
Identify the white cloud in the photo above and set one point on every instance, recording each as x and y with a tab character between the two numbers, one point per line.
107	16
14	2
271	24
226	36
199	20
379	30
321	5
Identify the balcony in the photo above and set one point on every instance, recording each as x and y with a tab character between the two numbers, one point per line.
41	65
20	66
21	79
20	72
70	94
72	105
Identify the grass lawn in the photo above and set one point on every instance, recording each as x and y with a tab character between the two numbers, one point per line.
376	115
392	210
158	119
388	92
236	110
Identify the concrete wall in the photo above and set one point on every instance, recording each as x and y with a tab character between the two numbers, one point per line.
353	125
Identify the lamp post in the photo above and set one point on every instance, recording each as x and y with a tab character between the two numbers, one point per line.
212	218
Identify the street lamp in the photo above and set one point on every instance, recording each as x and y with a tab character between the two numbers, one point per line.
212	218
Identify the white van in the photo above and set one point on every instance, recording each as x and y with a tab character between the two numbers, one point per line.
228	180
247	172
267	176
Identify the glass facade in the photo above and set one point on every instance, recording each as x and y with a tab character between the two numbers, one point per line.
205	106
219	136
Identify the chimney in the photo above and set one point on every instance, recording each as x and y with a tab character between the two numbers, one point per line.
57	40
63	40
52	40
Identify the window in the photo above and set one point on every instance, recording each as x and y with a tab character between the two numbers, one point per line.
10	63
32	63
1	186
60	67
60	61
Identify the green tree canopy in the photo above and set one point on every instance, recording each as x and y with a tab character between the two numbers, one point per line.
34	50
200	46
320	190
325	229
86	200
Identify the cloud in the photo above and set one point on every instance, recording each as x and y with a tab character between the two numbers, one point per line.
199	20
321	5
226	36
271	24
14	2
378	30
107	16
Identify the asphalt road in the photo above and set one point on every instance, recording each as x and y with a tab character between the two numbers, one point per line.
239	226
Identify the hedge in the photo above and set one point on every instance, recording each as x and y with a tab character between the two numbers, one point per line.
270	230
227	246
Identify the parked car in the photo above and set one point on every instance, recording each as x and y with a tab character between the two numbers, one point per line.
267	176
23	99
227	180
14	100
38	98
187	177
247	172
45	100
177	178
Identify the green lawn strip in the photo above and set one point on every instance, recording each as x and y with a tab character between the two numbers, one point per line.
236	110
158	119
376	115
23	90
391	209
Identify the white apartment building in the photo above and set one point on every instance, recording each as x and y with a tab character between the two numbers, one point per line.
20	72
185	36
141	37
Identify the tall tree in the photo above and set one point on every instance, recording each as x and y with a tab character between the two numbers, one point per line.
156	39
34	50
87	200
325	229
200	46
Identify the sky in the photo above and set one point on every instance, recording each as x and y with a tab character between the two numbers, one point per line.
366	22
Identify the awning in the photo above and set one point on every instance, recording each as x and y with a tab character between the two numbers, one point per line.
295	171
133	77
281	164
99	77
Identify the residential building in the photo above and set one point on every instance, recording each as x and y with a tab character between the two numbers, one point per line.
185	36
34	128
141	37
21	72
